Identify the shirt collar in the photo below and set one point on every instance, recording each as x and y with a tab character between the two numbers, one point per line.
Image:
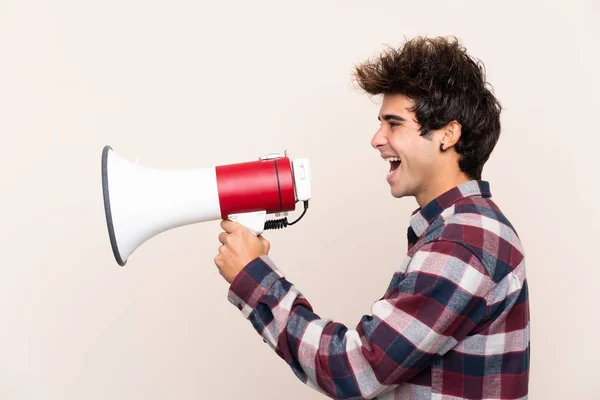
423	217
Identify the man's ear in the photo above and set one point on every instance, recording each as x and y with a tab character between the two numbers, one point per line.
451	134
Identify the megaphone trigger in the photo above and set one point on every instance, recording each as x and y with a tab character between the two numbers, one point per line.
253	221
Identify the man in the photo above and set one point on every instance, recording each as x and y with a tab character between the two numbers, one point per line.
454	321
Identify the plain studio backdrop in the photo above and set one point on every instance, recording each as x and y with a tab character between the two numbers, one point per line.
186	84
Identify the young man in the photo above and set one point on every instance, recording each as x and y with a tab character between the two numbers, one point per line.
454	321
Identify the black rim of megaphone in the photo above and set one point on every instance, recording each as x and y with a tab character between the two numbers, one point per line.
109	222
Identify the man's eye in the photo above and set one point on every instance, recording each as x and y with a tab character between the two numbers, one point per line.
394	124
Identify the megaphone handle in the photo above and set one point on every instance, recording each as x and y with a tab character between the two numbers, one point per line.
253	221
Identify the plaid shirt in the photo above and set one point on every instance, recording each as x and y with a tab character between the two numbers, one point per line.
453	323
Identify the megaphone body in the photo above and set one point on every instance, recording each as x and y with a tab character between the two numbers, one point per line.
141	202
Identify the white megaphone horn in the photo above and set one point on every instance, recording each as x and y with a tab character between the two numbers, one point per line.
141	202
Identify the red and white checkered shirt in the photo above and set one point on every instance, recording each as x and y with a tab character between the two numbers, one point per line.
453	323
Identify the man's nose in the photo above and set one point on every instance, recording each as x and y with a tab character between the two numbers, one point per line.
379	139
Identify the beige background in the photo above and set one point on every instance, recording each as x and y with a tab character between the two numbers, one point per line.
185	84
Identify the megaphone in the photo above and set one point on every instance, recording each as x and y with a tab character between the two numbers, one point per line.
141	202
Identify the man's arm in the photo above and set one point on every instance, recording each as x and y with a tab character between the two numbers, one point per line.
426	311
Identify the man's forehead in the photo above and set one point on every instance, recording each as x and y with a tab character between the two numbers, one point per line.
396	104
394	111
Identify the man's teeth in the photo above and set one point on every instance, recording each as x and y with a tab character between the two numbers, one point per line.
392	159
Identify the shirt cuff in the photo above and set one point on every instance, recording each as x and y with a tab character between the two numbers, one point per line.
252	282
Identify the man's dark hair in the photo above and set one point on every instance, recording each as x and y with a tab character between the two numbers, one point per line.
446	84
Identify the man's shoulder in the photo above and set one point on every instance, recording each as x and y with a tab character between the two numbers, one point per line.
478	224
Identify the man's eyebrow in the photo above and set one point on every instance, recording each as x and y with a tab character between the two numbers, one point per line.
388	117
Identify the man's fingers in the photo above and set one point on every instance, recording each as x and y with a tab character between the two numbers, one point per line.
229	226
223	237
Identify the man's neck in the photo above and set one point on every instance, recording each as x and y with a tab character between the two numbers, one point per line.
439	187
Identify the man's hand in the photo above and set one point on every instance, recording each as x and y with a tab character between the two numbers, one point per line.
239	247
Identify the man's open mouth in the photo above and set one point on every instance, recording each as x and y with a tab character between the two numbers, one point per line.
394	163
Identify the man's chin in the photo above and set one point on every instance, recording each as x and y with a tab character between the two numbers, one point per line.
398	194
400	191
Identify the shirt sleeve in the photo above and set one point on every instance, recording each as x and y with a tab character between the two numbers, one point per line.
426	311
